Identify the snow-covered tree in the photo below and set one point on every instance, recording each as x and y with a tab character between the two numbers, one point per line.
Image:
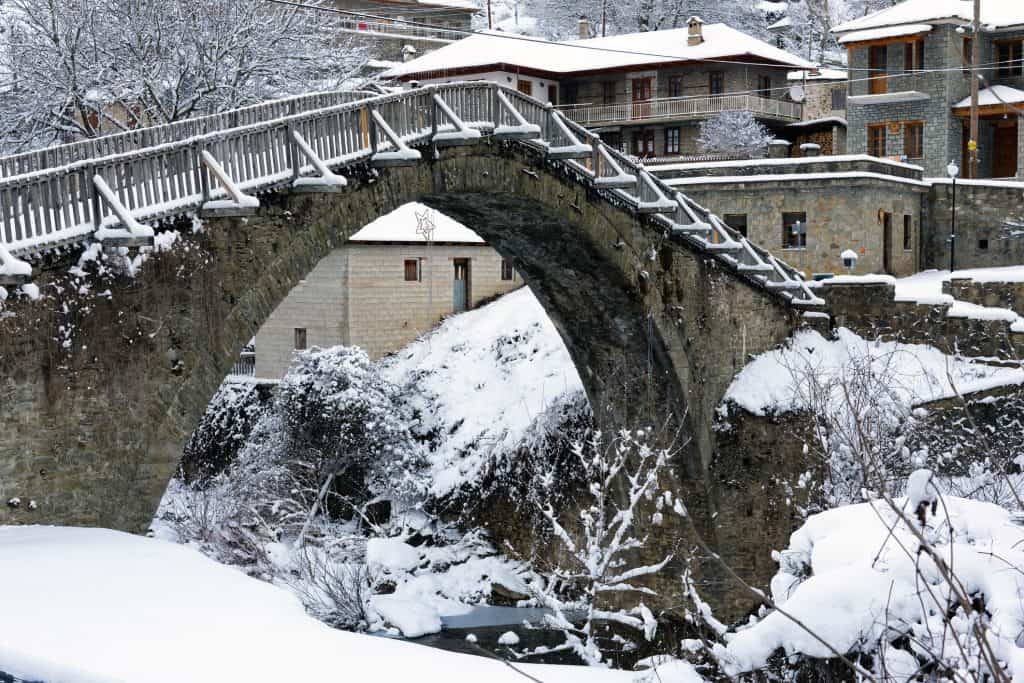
334	439
618	474
558	19
734	132
79	68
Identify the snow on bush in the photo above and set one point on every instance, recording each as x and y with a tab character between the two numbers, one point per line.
333	440
734	132
940	598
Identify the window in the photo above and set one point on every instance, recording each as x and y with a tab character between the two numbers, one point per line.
913	139
300	338
839	98
764	86
876	140
507	272
643	143
412	270
908	239
570	93
983	244
671	141
913	56
794	230
608	92
737	221
675	86
968	55
716	83
1008	55
525	87
878	66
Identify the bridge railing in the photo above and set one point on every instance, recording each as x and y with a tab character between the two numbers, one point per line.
142	138
48	207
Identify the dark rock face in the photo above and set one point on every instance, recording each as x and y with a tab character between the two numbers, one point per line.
101	393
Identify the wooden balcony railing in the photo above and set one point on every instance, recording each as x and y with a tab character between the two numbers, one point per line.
681	108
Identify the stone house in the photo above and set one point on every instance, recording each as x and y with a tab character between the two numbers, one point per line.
909	85
823	95
808	211
384	288
398	30
646	93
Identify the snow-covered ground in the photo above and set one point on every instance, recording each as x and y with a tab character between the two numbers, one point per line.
99	606
926	288
481	379
786	379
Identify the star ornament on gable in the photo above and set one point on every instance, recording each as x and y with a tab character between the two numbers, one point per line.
425	224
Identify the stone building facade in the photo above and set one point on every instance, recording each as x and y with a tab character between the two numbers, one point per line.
380	294
906	93
871	206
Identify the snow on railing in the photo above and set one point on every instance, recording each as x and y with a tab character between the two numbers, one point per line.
142	138
681	107
109	196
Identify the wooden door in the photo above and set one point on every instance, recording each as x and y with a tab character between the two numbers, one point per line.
552	94
1004	157
641	98
887	243
878	64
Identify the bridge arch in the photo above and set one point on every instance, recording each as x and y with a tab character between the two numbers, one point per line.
103	384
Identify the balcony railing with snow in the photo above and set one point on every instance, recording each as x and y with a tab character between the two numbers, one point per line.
388	28
681	108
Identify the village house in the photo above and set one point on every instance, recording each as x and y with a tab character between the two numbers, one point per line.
646	93
822	92
909	84
384	288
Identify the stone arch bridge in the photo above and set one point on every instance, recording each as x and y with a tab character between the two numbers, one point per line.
104	375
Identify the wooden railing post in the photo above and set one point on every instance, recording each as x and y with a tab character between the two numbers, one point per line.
94	196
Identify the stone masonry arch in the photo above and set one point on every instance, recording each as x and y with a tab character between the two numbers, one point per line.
101	389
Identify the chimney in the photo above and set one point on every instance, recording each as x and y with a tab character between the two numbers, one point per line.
696	34
584	26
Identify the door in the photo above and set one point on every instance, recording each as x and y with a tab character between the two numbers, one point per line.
887	243
552	94
878	64
1004	158
460	291
641	98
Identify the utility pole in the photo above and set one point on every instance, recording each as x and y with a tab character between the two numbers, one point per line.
604	18
490	23
972	143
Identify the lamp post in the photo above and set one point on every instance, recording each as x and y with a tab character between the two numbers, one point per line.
800	228
952	170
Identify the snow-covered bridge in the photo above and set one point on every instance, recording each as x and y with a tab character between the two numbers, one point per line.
105	374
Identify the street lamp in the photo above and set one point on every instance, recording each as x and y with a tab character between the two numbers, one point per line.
952	171
849	258
800	228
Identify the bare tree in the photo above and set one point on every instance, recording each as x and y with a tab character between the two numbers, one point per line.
79	68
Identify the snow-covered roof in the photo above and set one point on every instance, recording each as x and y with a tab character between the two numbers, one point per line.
817	75
400	226
994	13
885	32
490	49
784	22
996	94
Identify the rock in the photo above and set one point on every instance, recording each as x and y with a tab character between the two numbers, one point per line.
503	596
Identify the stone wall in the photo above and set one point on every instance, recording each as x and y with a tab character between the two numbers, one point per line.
358	296
871	311
995	294
386	313
985	214
841	212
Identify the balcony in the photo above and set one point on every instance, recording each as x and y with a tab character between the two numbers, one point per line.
681	108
